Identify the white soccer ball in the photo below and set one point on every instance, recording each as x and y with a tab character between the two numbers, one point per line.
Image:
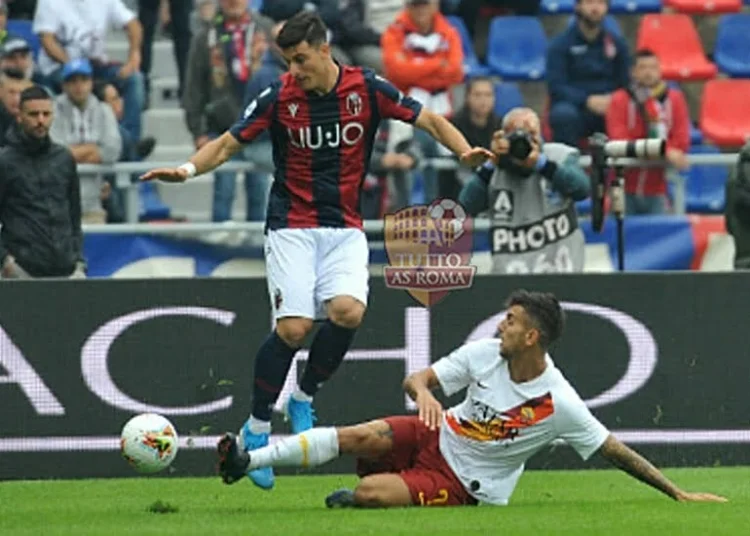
148	443
453	212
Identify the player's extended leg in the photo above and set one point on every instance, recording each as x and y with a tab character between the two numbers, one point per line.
327	351
311	448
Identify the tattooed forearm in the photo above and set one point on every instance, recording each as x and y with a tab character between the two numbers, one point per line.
637	466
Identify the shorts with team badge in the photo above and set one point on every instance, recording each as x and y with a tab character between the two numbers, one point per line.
305	268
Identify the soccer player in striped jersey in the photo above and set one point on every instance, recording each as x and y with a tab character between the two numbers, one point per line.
322	117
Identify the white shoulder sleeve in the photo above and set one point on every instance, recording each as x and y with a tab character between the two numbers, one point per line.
578	427
559	152
458	369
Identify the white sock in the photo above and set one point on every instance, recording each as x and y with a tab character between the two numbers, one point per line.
259	427
300	396
313	447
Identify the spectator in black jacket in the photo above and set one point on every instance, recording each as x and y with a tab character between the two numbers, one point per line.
356	37
12	83
40	198
280	10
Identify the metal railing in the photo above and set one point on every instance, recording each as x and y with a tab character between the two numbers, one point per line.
124	172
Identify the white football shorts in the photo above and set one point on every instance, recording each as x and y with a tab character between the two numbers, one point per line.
305	268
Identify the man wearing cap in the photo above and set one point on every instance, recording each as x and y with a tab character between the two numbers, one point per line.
73	29
17	55
89	128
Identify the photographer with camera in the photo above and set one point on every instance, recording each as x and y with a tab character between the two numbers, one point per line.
531	232
649	109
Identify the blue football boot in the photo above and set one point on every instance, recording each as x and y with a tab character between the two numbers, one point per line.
300	415
263	476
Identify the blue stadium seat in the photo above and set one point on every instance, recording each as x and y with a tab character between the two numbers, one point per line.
704	185
635	6
696	136
23	28
517	48
507	97
556	7
472	67
732	45
151	206
610	23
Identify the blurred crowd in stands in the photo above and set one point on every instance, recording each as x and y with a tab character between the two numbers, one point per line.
225	54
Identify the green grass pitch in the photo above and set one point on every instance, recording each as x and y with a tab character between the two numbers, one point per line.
545	503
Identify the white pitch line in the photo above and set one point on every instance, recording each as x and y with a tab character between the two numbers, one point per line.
110	443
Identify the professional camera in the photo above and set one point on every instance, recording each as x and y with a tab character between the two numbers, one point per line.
602	150
521	144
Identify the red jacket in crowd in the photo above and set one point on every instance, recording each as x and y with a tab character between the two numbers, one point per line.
625	122
409	67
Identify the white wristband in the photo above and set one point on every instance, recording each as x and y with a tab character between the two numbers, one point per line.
190	168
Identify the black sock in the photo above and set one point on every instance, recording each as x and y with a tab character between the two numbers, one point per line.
326	354
271	367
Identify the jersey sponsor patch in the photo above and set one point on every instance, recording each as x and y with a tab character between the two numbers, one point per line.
487	425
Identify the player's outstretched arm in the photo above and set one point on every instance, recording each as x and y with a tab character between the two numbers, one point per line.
419	387
638	467
444	132
209	157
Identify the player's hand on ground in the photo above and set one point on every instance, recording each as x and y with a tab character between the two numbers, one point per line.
476	156
684	496
430	410
166	175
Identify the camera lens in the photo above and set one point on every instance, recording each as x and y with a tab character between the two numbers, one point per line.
520	148
519	145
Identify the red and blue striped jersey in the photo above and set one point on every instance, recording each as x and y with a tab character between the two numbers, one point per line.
322	144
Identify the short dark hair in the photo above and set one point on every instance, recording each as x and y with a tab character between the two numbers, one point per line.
544	311
643	53
304	26
35	92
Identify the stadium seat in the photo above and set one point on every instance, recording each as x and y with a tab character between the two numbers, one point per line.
696	136
732	45
517	48
472	66
610	23
23	28
702	7
557	7
618	7
704	185
725	115
674	39
152	207
507	97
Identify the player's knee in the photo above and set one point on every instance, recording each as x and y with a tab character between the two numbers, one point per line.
346	311
369	493
293	330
